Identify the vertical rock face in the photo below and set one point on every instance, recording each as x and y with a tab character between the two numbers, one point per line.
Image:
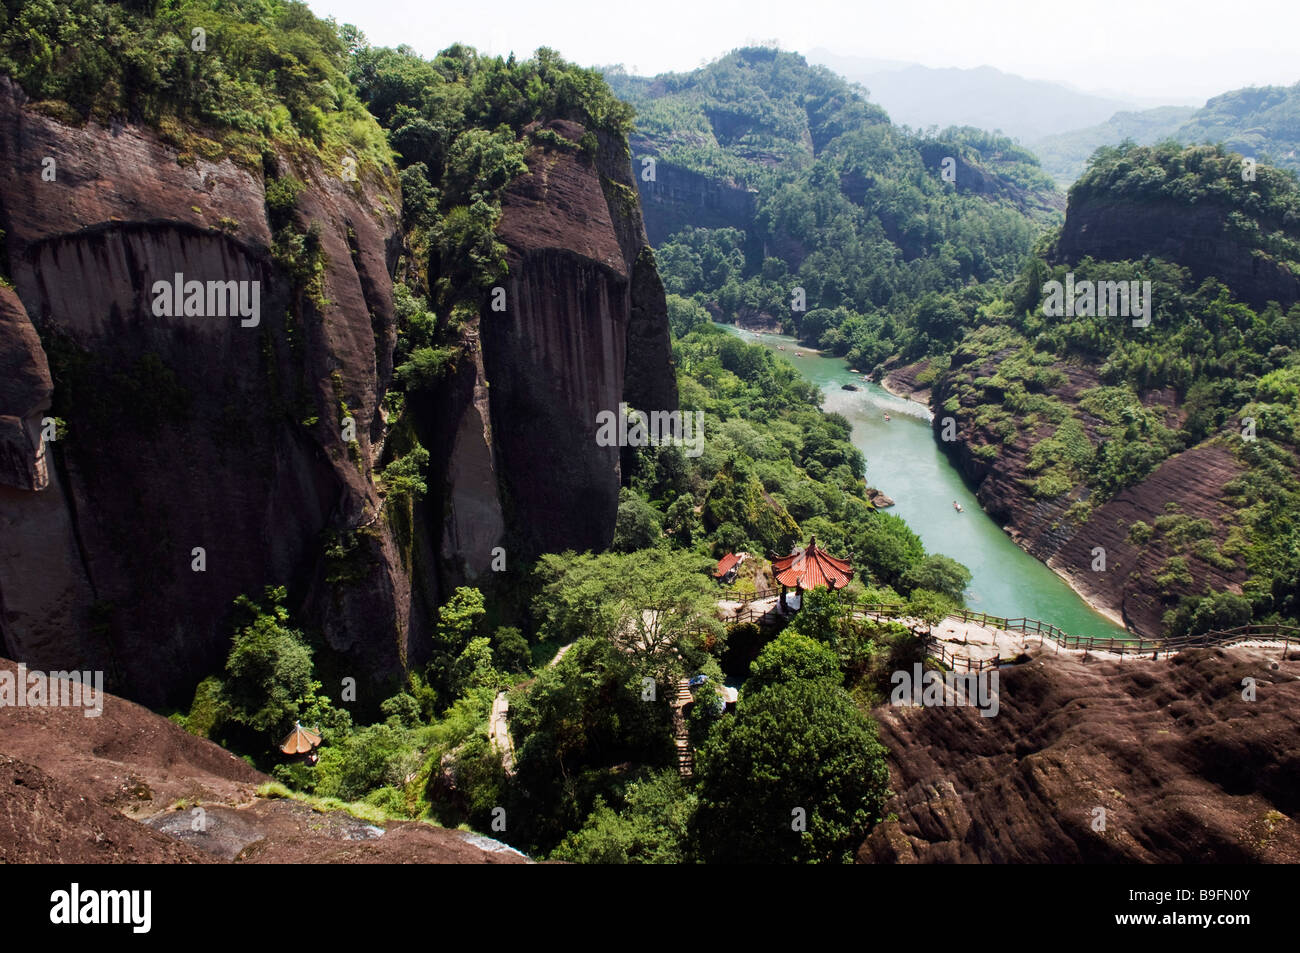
678	198
201	457
184	432
25	391
1199	238
585	329
475	524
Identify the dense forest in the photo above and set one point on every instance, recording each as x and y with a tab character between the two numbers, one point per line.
849	208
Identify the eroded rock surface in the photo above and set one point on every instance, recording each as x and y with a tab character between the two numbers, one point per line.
1179	765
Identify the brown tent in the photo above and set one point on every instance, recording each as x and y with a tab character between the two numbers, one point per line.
300	740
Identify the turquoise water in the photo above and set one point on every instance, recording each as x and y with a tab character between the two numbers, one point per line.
905	463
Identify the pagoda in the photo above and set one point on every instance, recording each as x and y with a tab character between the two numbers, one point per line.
810	568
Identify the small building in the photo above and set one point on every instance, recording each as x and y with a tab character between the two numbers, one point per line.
810	568
728	566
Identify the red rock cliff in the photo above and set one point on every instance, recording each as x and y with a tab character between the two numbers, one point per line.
183	433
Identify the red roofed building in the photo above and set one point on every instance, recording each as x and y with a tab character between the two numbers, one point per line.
727	567
810	568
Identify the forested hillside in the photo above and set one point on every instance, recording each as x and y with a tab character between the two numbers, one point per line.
1262	122
1171	446
1258	121
1065	155
822	193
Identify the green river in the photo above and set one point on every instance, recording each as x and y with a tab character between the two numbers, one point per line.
905	463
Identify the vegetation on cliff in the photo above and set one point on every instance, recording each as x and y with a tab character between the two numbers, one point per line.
255	73
1208	370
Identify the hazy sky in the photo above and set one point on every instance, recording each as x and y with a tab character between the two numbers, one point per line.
1177	49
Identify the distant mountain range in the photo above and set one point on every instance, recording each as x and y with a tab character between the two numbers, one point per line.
1064	126
1065	155
1024	109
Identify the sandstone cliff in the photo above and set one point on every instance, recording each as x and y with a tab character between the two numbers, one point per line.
1198	238
678	198
185	433
585	328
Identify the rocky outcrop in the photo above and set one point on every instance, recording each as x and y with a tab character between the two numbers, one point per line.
1196	237
1101	762
202	457
678	198
1193	481
975	178
106	790
905	381
585	329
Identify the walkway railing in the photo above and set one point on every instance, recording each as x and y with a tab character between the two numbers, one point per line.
1137	645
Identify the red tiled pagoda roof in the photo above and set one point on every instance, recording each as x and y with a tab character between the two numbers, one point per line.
726	564
811	567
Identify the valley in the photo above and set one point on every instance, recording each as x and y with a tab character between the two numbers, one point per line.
914	472
442	456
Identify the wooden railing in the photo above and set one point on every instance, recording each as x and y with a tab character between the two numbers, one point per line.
939	651
1136	645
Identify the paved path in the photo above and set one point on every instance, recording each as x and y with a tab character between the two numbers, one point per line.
499	720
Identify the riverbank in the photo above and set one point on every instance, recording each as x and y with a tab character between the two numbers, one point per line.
1091	598
916	397
901	382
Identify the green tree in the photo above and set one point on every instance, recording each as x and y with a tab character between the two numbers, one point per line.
938	573
792	656
269	669
637	525
653	826
655	604
797	753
